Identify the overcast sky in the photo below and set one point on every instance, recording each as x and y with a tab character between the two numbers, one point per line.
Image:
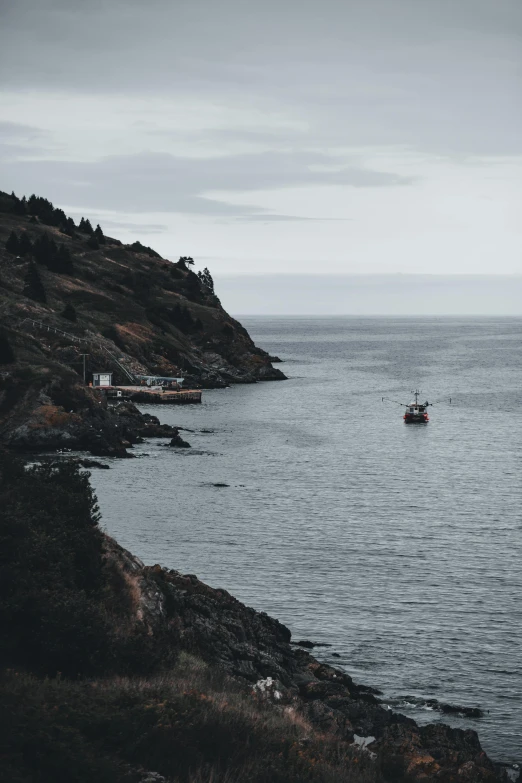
288	136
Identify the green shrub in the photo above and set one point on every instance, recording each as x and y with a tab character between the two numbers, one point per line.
56	589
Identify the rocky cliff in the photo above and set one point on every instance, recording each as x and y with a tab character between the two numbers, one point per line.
93	670
257	650
66	291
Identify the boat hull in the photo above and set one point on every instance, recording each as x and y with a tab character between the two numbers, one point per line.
416	418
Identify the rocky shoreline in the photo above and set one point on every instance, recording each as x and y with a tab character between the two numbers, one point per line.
257	650
58	412
182	612
251	647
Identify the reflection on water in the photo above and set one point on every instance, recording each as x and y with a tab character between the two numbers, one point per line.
399	544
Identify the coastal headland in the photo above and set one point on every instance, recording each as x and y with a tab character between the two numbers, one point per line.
117	671
74	302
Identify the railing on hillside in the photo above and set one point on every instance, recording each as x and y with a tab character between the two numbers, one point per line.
75	338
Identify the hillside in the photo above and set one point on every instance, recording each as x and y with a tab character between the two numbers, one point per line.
114	671
159	317
130	310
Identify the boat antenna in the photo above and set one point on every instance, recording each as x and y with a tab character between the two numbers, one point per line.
416	393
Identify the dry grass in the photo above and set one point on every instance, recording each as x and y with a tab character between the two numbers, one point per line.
192	725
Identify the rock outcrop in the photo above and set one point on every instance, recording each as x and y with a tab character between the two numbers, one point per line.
256	649
71	306
50	409
126	306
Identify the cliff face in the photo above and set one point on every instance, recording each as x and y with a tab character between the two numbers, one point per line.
155	316
77	606
125	307
257	650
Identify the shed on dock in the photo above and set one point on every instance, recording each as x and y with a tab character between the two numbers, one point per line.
102	379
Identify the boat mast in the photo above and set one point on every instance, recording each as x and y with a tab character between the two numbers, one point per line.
416	393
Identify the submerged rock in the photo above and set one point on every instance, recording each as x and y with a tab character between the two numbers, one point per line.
178	442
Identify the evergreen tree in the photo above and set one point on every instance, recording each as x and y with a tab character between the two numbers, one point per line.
33	287
137	247
98	233
69	312
62	261
87	227
20	205
206	280
45	250
81	225
192	286
93	243
69	227
25	246
13	244
185	260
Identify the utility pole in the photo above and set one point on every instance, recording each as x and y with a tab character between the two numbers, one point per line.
84	355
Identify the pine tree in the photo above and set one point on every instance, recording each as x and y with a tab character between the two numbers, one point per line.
19	204
69	312
45	250
13	244
33	287
206	280
62	261
25	246
192	286
98	233
87	227
184	260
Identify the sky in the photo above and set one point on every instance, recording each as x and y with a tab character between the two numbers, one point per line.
303	137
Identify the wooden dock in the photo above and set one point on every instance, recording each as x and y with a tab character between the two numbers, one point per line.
153	395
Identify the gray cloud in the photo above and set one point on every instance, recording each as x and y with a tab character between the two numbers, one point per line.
166	183
17	131
141	228
300	109
436	74
18	140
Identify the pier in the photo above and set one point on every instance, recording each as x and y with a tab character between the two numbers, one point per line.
154	395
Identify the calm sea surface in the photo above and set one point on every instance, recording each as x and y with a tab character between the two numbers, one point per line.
400	545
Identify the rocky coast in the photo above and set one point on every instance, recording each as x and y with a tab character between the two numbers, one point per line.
73	304
112	670
117	671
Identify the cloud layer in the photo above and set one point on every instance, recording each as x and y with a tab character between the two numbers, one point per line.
265	114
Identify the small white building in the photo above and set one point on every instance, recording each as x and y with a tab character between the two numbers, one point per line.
102	379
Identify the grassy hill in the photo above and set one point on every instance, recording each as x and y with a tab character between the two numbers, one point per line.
131	311
156	316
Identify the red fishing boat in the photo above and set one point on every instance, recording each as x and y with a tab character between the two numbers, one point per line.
416	412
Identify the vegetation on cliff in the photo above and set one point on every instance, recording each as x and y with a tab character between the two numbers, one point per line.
155	316
91	694
73	300
113	671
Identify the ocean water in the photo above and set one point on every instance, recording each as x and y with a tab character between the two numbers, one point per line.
399	545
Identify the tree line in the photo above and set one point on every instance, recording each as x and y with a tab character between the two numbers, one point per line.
42	210
56	257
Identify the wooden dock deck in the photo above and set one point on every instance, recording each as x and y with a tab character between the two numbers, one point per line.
154	395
